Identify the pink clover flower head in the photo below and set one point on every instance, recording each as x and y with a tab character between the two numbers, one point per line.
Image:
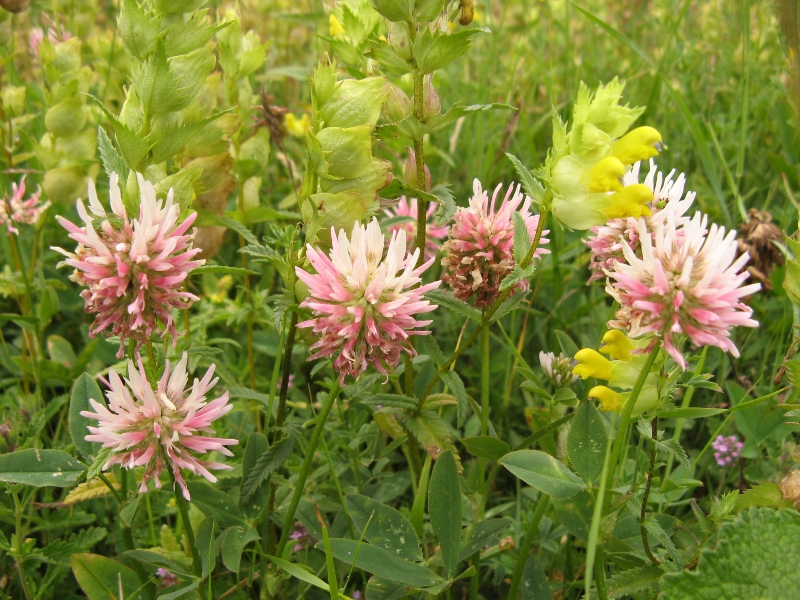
558	369
435	233
682	284
363	303
36	37
133	270
606	243
481	244
146	427
16	209
726	449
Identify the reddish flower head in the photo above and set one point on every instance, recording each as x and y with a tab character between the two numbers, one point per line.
481	244
16	210
682	284
133	270
147	428
434	233
364	304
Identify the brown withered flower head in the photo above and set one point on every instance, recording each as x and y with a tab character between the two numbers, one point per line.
756	239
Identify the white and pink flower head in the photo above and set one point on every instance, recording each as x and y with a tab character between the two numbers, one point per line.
16	209
481	244
606	243
434	233
133	270
151	428
687	281
363	303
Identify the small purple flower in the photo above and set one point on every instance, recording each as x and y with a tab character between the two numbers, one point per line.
167	577
290	384
357	595
299	534
726	449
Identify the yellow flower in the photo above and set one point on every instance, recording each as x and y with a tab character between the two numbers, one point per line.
632	201
592	364
606	175
640	144
336	27
617	345
221	292
610	401
297	127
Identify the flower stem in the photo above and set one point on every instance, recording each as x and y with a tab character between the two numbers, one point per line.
306	468
645	498
419	153
527	542
183	508
287	371
19	539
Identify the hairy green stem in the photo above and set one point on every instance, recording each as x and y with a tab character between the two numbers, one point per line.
527	542
646	497
306	468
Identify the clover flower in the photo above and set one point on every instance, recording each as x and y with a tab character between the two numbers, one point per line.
16	209
364	303
587	166
133	269
684	283
434	232
480	249
167	577
151	428
558	369
726	449
606	243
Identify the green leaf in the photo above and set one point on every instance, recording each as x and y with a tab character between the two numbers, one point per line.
522	238
450	302
575	513
444	507
763	494
434	50
173	139
534	582
149	557
586	442
40	468
479	535
112	161
132	146
204	543
453	381
103	578
214	503
388	529
512	302
84	389
544	472
379	588
625	584
298	572
673	447
223	270
383	563
138	30
183	591
394	10
233	540
751	559
237	227
529	183
485	446
266	464
568	347
186	35
690	412
391	400
128	512
445	203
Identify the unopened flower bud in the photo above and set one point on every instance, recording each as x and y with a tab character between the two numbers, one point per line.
14	100
398	104
467	12
790	487
507	543
64	184
65	118
411	173
398	40
431	103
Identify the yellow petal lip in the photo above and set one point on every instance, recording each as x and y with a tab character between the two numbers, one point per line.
616	345
336	27
610	401
606	175
639	144
632	201
592	364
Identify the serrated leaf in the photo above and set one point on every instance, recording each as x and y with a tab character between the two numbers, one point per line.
434	50
111	159
522	238
394	10
266	465
89	490
388	528
445	203
586	442
456	386
427	345
133	146
529	183
444	507
627	583
508	305
673	447
238	228
517	275
137	29
173	139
